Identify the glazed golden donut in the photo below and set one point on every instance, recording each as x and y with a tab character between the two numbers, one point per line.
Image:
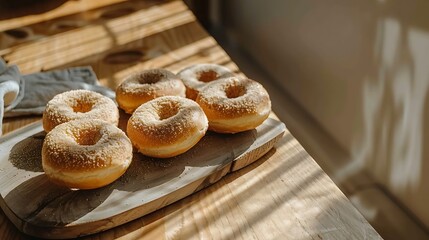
147	85
197	76
234	105
77	104
86	154
167	126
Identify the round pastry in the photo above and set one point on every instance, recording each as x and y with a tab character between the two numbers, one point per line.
77	104
234	105
147	85
197	76
167	126
86	154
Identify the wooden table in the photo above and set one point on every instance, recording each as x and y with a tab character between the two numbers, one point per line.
284	195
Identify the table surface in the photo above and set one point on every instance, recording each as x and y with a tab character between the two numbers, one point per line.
284	195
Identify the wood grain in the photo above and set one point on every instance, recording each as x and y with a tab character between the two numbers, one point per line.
283	195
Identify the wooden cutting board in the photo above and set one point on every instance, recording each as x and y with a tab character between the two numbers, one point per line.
39	208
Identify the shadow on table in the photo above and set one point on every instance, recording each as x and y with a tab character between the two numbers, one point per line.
330	218
150	221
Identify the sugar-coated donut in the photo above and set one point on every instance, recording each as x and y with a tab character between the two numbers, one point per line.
86	154
167	126
197	76
77	104
147	85
234	105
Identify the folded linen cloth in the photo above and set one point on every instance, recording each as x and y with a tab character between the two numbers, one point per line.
29	94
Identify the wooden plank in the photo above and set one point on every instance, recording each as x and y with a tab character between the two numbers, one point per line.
40	208
102	37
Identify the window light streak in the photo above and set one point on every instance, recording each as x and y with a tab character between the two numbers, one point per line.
92	32
67	47
170	57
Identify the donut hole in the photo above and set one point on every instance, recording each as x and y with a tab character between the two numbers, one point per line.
235	91
150	78
82	107
207	76
87	136
167	110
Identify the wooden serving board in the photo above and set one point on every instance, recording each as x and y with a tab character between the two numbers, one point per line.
39	208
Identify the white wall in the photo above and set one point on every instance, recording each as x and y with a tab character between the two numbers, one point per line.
361	69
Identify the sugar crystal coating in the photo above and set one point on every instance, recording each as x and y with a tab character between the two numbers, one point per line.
78	104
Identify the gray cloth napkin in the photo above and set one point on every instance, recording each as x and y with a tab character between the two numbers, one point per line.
28	94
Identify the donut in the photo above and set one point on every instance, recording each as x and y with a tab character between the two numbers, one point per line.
234	105
86	154
77	104
197	76
147	85
167	126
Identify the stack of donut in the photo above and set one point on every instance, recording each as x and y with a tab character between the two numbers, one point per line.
83	147
170	113
231	104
